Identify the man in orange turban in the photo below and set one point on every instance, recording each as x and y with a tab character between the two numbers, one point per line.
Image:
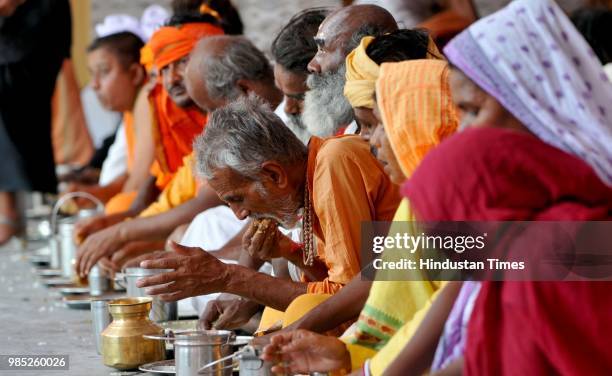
176	120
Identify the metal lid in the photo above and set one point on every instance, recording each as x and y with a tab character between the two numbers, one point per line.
203	337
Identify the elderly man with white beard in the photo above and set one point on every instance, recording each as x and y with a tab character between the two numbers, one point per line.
326	109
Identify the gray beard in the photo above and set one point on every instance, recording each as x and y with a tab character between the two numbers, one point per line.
287	208
296	125
326	109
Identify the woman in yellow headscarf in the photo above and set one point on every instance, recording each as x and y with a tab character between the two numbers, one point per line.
416	109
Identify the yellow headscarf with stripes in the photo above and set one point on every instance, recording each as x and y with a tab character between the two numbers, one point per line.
362	72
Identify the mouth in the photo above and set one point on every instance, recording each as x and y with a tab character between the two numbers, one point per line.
178	91
103	101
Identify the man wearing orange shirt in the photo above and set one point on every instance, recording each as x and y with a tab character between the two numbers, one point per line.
262	170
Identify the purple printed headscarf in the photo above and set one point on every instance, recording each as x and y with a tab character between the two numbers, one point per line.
534	62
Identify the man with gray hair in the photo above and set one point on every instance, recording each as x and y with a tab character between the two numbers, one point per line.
326	110
223	68
234	67
262	171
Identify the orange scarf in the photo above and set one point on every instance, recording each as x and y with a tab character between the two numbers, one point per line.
416	107
128	127
173	132
171	43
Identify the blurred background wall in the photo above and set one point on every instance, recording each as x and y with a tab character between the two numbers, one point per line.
261	18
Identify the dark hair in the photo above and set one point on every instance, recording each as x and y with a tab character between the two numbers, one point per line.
125	45
189	10
595	25
398	46
363	31
294	45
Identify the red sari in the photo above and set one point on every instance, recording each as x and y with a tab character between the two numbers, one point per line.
522	328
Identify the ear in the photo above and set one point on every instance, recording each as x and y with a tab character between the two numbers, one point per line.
245	86
138	74
273	172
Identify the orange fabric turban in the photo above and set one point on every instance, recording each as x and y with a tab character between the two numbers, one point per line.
171	43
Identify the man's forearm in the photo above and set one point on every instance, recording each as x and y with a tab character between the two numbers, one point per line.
270	291
344	306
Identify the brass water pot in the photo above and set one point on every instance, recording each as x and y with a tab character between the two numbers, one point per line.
123	344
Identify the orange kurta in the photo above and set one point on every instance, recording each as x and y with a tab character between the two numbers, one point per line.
348	185
173	131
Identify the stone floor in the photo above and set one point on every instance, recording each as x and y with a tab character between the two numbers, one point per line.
34	321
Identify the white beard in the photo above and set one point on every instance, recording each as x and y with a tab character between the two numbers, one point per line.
326	109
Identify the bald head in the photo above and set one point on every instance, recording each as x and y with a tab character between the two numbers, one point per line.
342	30
224	67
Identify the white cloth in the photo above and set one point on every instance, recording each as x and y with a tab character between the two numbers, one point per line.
152	18
101	122
299	132
115	163
213	228
351	128
119	23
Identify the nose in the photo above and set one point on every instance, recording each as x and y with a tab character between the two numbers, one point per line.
174	74
313	65
239	212
292	106
95	82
